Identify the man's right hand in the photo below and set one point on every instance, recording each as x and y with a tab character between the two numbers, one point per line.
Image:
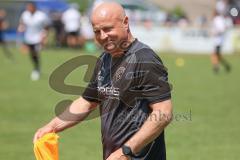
42	131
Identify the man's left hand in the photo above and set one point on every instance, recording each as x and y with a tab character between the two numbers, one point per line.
118	155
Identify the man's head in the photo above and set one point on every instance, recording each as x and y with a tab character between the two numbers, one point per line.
31	7
111	28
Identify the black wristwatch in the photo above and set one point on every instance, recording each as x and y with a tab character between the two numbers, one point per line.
127	151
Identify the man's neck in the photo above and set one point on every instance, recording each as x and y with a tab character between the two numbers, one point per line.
121	52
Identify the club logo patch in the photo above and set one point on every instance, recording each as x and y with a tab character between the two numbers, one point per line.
119	73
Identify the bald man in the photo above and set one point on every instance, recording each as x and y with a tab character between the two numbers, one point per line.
129	84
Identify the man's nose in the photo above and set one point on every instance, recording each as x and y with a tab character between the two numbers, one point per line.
103	35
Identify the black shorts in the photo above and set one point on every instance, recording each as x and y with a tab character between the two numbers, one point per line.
218	49
33	47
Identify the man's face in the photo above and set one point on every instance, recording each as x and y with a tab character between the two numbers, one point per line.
110	32
31	8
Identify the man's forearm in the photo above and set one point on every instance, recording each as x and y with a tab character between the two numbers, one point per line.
21	27
150	130
59	125
74	114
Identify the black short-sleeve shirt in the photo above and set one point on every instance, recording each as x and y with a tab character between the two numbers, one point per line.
125	87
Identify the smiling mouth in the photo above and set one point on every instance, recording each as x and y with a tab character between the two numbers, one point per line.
110	46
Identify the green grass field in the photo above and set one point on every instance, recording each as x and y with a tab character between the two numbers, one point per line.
212	133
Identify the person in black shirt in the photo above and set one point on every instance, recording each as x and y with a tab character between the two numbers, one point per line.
130	85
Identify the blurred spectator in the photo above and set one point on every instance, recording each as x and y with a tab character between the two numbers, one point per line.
88	35
183	22
71	19
222	6
220	26
34	24
58	28
201	21
3	27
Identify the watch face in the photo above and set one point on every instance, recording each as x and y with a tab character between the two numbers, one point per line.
127	150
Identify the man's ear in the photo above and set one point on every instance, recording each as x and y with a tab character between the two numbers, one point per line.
125	22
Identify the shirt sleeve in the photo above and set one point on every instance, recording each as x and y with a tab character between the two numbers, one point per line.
154	83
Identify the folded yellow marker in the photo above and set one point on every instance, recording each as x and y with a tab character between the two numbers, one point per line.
46	148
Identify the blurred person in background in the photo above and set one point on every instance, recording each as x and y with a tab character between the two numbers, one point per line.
88	35
222	6
220	26
3	27
71	19
58	28
34	24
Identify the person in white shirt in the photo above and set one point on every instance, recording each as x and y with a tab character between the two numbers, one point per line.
71	19
220	27
34	24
